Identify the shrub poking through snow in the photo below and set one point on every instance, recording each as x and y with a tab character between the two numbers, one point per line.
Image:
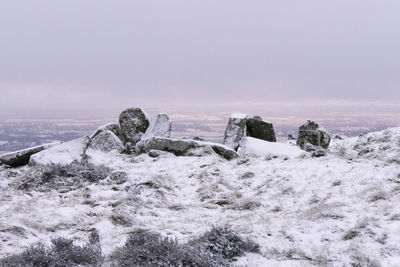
55	175
151	249
225	242
62	253
216	247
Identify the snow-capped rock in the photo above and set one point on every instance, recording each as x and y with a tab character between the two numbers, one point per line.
62	154
312	133
257	128
106	141
21	157
134	123
160	127
113	127
235	130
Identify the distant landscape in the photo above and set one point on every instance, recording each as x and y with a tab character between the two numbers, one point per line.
25	131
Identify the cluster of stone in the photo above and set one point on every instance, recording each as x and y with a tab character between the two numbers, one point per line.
136	133
239	126
311	136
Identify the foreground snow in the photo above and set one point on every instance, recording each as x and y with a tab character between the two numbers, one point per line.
303	211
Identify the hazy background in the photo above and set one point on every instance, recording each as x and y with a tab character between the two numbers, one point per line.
278	56
68	66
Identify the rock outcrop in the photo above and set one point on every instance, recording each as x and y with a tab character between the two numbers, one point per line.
161	127
312	133
62	154
134	123
113	127
106	141
22	157
257	128
184	147
235	130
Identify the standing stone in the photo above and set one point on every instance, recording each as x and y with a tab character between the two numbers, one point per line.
134	123
311	133
235	130
257	128
161	127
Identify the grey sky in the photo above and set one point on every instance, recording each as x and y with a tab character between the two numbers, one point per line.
93	53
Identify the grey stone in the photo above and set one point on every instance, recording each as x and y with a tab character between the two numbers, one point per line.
311	133
113	127
235	130
22	157
183	147
106	141
257	128
161	127
319	152
134	123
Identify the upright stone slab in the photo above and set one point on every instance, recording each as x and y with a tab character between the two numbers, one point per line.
134	123
257	128
312	133
235	130
161	127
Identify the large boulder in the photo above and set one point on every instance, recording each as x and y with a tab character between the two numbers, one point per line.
63	154
257	128
235	130
185	147
160	127
106	141
312	133
22	157
134	123
113	127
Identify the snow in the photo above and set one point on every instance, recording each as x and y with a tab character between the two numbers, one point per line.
298	208
258	147
63	154
239	116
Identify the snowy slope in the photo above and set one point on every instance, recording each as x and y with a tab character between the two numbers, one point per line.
303	211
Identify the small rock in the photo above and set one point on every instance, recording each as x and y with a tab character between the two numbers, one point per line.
119	177
311	133
154	153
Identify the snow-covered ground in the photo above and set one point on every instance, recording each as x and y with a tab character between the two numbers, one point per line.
337	210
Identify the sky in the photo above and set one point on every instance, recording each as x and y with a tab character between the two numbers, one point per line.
96	54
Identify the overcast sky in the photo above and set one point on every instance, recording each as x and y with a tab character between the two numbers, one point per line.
73	54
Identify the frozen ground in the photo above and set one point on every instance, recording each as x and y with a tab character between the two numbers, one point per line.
338	210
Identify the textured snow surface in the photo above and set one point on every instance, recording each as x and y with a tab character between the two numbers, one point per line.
336	210
258	147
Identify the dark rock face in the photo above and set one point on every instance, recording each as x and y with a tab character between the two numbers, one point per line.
257	128
235	130
311	133
22	157
183	147
134	123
